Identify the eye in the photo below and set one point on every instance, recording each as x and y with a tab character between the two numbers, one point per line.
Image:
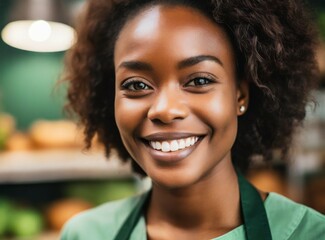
199	82
135	85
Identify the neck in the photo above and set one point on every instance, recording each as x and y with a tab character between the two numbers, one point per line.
211	203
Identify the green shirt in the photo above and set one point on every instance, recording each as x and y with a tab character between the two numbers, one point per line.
288	221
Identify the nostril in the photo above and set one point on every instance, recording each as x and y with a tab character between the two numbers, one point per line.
165	117
168	107
157	121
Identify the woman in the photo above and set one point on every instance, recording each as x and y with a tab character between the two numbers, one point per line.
190	91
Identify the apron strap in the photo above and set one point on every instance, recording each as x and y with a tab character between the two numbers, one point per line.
129	224
254	215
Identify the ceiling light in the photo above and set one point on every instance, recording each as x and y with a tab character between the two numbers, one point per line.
39	25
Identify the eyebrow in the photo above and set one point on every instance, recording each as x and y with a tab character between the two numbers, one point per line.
197	59
136	65
142	66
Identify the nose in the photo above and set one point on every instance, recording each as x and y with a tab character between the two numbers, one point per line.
168	106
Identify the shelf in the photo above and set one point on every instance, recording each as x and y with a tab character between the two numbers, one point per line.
54	165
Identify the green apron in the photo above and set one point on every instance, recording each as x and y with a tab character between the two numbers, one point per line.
254	215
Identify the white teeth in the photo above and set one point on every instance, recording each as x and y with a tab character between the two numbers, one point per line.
158	146
165	147
173	145
181	144
188	142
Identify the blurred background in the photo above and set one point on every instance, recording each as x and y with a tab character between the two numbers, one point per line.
46	177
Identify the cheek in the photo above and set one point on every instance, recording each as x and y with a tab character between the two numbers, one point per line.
219	110
221	118
129	114
123	111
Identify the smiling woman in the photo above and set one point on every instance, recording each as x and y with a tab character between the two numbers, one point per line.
189	91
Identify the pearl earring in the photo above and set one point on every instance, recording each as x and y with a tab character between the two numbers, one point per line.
242	108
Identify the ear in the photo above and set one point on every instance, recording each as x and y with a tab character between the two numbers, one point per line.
242	97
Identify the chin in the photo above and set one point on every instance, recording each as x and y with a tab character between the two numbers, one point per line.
172	180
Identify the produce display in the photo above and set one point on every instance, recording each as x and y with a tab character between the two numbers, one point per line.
42	134
19	221
55	134
23	219
27	221
60	211
101	192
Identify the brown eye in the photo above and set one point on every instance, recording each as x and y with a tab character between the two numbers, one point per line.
200	81
135	85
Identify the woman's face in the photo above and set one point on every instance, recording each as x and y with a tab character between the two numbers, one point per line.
177	100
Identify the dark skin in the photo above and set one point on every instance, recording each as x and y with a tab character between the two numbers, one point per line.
177	103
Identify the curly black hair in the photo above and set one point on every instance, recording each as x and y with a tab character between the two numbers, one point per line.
274	41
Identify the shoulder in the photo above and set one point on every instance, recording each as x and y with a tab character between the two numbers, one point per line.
290	220
101	222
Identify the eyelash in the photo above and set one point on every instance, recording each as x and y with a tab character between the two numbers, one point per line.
208	79
131	82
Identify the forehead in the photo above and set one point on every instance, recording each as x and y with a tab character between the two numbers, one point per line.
180	30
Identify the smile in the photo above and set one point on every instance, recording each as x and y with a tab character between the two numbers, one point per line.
173	145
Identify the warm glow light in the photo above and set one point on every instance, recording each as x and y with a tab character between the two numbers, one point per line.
39	36
39	31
